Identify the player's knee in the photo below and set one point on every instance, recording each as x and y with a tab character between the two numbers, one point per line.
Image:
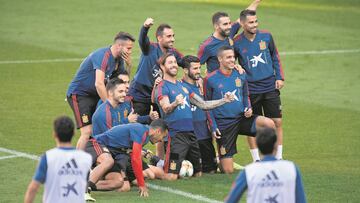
125	187
198	174
117	184
171	177
268	123
86	131
148	173
278	122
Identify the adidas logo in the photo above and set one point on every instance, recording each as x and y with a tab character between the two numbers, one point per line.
70	168
271	180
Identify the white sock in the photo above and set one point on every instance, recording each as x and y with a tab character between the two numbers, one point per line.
279	152
160	163
255	154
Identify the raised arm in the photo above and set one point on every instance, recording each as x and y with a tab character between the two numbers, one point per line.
144	41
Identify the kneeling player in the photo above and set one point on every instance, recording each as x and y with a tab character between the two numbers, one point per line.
126	141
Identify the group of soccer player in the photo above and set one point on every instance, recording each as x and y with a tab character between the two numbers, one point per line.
117	117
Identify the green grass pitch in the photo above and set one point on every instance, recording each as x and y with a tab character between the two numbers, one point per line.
321	99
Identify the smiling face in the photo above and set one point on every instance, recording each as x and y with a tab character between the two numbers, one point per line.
194	72
250	24
227	59
170	66
167	39
223	26
119	93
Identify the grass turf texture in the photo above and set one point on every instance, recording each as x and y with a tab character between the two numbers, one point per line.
321	100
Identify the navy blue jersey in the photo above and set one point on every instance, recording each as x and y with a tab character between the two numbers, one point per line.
148	69
200	118
261	61
123	136
208	49
105	116
84	80
180	119
217	83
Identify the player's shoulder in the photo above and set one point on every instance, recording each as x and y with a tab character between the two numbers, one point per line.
264	32
206	42
211	76
238	37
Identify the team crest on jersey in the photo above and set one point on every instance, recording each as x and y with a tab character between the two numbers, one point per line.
262	45
173	165
185	90
126	113
85	118
222	150
231	42
238	82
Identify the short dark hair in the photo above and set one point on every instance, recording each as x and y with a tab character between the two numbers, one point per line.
223	48
124	36
64	128
245	13
113	83
217	16
161	28
116	74
163	58
187	60
159	123
265	140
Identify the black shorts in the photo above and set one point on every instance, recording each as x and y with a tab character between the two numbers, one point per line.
229	132
267	104
143	109
95	149
114	169
208	155
123	160
183	146
83	108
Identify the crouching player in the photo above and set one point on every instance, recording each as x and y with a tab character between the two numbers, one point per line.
125	142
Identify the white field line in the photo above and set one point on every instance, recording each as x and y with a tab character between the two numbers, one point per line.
182	193
152	186
8	157
289	53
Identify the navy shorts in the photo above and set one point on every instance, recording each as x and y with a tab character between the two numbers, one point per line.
83	108
230	129
182	146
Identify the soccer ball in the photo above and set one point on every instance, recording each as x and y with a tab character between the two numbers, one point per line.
186	169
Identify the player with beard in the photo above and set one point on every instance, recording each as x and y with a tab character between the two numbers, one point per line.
88	85
224	31
148	69
174	100
204	127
